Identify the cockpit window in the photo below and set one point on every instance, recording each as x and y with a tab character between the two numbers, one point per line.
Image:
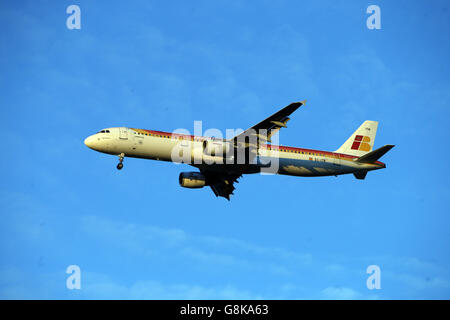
104	131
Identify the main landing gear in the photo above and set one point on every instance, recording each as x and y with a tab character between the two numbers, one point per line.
120	165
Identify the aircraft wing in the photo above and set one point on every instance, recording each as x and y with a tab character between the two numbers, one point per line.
268	127
221	183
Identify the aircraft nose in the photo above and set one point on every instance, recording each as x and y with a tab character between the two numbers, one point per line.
89	142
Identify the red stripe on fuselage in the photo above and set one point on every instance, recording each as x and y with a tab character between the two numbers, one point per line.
267	146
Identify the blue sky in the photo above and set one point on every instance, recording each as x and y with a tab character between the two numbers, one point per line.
157	65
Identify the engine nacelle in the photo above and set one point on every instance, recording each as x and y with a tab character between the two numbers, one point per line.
216	147
192	180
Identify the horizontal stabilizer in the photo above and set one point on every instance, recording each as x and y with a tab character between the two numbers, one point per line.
373	156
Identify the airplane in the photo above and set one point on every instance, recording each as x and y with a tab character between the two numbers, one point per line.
221	162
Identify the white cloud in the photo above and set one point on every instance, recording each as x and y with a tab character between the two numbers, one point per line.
147	240
101	286
339	293
422	283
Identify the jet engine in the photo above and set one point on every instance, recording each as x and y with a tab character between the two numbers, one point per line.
216	147
192	180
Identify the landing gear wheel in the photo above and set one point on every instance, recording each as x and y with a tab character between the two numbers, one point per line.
120	165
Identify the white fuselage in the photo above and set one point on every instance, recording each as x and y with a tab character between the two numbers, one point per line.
157	145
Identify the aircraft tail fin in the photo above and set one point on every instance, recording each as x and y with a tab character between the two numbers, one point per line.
361	141
373	156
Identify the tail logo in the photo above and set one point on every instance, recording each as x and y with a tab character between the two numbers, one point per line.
361	143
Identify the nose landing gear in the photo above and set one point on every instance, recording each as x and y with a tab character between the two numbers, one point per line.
120	165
